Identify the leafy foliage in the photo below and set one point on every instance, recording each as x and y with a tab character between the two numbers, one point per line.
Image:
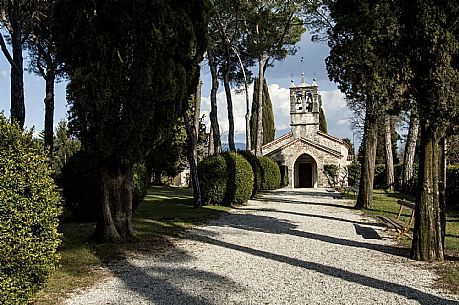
132	65
268	115
380	176
225	179
353	171
29	210
64	147
322	121
271	177
139	184
256	169
213	173
332	172
452	186
240	178
168	158
284	175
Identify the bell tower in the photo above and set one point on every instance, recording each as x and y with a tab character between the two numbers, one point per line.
305	105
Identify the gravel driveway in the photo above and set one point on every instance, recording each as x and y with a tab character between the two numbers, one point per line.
289	247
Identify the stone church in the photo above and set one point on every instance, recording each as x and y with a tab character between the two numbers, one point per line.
305	150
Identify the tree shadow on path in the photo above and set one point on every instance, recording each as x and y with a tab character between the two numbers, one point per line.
267	224
309	215
162	285
411	293
292	201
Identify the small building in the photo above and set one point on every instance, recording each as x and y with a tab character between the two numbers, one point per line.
305	150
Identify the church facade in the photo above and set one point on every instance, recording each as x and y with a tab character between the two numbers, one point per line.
306	149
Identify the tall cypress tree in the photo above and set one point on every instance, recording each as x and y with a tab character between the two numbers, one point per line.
132	65
268	116
322	121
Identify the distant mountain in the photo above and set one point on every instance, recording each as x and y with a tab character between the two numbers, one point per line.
239	146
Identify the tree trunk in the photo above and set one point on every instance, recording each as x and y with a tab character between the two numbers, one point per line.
370	140
229	102
17	71
210	148
213	104
261	68
114	220
49	113
427	245
388	152
410	149
192	132
442	188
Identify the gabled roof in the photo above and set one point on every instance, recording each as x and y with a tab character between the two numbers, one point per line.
311	143
326	135
277	141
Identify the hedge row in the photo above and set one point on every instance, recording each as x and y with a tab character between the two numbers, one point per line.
233	178
271	174
29	211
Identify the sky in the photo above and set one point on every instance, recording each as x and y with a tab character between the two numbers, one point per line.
278	77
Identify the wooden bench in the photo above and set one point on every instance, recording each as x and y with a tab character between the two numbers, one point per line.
401	227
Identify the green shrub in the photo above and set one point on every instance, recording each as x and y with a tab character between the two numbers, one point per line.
380	176
353	173
452	186
398	171
240	178
29	210
271	177
81	185
332	172
212	172
256	169
284	175
139	185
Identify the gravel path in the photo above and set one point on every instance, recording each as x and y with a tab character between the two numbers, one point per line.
289	247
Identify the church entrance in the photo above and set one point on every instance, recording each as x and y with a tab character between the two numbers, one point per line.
305	167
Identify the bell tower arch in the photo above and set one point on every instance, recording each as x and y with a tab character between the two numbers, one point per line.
305	105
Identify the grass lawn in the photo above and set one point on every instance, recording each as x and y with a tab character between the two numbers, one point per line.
385	203
165	213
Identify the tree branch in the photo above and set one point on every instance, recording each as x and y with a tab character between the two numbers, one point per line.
7	53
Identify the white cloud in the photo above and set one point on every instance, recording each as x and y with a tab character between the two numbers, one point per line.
334	104
3	74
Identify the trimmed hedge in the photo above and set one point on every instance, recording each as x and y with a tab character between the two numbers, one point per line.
81	185
452	186
240	178
256	169
225	179
212	173
29	211
271	174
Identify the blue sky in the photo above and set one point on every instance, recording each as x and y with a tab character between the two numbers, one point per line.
278	78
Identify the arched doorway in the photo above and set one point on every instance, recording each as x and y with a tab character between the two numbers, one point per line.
305	171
